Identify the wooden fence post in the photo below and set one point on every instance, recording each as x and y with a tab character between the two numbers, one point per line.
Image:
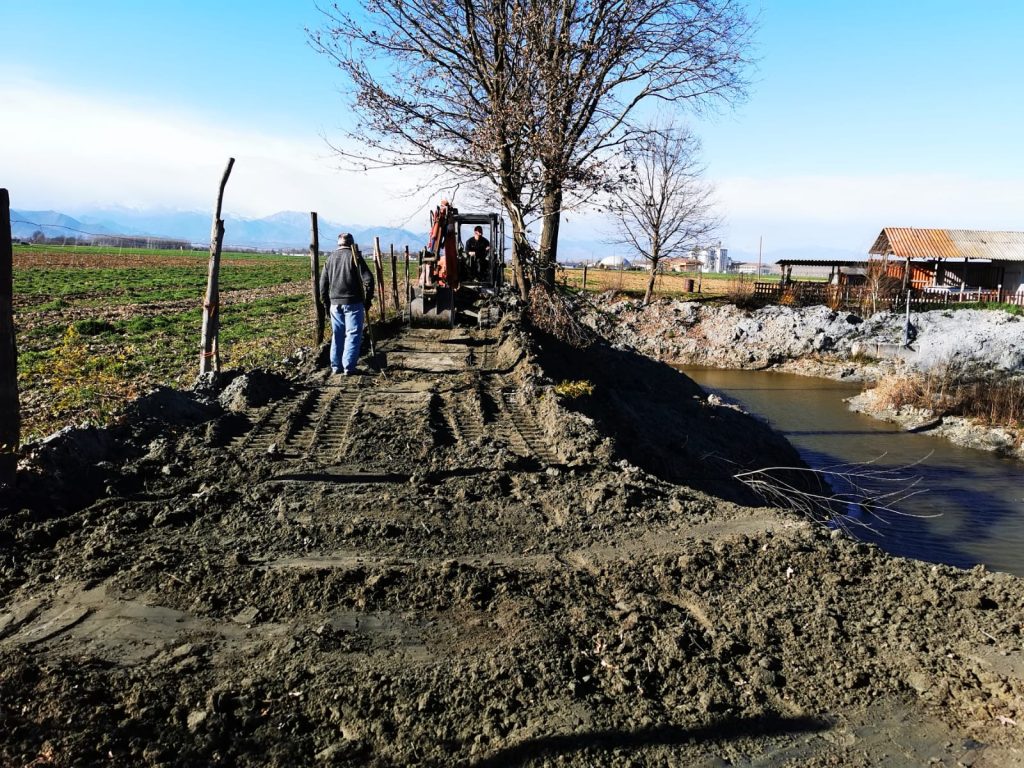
394	281
407	296
314	271
10	410
584	289
379	269
211	309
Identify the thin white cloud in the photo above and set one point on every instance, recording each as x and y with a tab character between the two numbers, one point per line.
891	200
67	150
847	212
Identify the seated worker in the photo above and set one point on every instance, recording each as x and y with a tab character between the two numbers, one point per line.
477	251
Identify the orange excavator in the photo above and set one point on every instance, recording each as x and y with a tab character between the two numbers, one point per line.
451	288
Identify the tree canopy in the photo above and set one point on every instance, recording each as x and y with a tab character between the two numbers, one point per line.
535	99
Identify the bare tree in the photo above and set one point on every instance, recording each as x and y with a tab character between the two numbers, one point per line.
441	86
598	62
667	207
533	97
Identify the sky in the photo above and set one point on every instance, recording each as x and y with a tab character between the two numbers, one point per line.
861	114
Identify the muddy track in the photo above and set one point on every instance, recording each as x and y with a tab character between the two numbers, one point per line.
465	396
437	563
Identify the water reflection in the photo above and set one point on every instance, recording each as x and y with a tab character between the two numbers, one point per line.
979	497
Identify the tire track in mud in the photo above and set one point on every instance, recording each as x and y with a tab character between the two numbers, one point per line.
314	426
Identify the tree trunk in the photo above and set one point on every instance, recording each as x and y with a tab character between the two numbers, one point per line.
209	357
10	410
314	269
521	250
548	256
650	283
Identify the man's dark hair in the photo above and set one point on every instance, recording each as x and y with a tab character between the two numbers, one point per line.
478	229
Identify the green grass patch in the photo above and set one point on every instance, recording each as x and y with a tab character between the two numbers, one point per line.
86	371
91	286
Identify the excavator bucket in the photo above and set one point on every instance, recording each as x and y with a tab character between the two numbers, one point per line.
432	308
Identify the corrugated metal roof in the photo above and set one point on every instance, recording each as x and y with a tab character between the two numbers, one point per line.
821	263
913	243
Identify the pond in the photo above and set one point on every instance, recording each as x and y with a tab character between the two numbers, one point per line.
969	505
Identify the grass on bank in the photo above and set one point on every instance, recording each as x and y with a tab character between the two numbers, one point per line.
633	283
949	391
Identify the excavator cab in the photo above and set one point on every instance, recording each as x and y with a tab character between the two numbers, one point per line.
454	287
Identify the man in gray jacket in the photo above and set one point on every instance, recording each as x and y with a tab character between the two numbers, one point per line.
346	286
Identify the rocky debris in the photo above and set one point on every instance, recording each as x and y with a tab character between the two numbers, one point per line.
467	569
724	336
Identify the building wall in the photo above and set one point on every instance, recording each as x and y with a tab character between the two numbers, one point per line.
1013	277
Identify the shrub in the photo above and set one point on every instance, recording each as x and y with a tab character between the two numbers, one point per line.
573	389
550	311
93	327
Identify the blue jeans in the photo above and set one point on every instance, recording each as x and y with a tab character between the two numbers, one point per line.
346	335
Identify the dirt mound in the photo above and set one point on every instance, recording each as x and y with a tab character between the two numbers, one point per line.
725	336
444	564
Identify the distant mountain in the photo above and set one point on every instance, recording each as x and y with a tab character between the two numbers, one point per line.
284	230
289	230
24	224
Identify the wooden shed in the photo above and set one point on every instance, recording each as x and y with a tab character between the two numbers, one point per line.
971	260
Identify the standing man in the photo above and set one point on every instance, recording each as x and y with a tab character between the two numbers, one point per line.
477	249
346	286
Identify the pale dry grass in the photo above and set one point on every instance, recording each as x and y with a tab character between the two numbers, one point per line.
634	282
900	390
949	391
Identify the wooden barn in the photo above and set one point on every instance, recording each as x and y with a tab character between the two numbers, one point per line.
980	263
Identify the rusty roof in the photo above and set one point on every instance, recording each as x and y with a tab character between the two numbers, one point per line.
821	263
913	243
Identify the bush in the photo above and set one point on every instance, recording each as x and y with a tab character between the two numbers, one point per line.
93	327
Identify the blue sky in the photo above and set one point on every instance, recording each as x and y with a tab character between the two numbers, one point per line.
862	114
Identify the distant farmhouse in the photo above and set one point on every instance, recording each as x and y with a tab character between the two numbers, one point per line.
680	264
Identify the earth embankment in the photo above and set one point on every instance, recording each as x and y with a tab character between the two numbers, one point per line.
841	344
443	563
944	349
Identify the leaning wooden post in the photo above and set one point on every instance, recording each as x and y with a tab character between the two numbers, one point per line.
210	355
314	272
10	410
379	269
408	298
584	288
394	280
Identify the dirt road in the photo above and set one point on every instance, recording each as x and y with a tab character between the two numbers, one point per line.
445	564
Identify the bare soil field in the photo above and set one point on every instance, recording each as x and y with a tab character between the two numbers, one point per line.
444	563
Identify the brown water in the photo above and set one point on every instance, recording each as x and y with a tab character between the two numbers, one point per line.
978	497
